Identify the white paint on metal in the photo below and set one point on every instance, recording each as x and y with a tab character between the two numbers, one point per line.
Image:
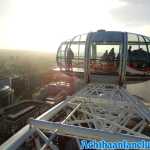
95	112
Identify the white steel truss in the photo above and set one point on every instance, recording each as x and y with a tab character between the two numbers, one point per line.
96	112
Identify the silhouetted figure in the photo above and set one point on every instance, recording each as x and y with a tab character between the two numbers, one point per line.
111	55
105	56
129	50
130	54
70	56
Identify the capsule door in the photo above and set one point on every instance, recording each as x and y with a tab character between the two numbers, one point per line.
104	61
104	57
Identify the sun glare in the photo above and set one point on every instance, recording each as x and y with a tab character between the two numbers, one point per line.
42	24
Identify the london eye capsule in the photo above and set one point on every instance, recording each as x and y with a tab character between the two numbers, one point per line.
107	56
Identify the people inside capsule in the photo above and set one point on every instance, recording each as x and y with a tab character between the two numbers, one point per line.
70	56
141	56
137	58
129	50
111	56
129	55
105	56
107	62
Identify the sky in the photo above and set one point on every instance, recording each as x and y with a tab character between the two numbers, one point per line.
41	25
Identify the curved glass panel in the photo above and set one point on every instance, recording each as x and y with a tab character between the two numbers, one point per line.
75	54
76	38
61	56
82	51
83	37
147	39
141	39
138	67
138	62
132	37
75	49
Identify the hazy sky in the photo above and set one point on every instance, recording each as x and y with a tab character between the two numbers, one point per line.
43	24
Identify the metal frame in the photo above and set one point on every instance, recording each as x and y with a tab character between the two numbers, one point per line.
96	112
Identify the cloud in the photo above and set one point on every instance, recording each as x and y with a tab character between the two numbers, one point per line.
133	13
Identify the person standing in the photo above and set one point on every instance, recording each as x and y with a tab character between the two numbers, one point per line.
70	56
111	55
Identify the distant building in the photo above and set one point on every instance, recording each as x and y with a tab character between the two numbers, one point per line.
6	93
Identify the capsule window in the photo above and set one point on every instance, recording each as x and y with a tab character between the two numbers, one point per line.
147	39
138	57
82	51
83	37
61	52
61	56
132	37
105	58
77	48
141	39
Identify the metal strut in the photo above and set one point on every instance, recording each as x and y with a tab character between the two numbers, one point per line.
96	112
